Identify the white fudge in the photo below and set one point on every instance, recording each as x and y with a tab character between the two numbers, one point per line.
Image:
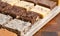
25	4
4	19
11	2
41	10
21	26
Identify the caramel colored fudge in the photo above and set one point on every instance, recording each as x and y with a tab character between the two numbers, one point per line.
25	4
41	10
5	32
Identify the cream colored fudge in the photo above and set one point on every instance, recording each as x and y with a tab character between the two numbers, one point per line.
25	4
4	19
21	26
41	10
12	2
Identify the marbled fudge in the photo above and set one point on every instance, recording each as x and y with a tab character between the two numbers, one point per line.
4	19
21	26
43	11
25	4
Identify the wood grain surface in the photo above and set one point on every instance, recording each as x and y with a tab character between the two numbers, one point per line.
52	28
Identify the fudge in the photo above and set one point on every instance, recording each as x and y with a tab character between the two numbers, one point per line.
3	5
43	11
11	2
4	19
32	1
47	3
21	26
31	16
14	11
25	4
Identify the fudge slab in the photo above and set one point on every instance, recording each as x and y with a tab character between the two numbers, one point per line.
45	3
4	19
25	4
14	11
31	17
41	10
19	25
4	5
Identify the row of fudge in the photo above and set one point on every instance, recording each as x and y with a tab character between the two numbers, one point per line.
46	3
20	27
23	10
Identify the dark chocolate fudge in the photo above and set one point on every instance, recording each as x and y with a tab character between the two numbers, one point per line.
30	16
14	11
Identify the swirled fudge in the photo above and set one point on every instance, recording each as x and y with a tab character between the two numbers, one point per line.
21	26
4	19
